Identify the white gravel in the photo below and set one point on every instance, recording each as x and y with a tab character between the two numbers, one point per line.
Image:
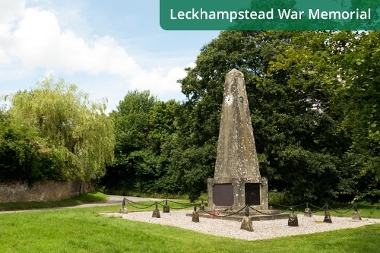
262	229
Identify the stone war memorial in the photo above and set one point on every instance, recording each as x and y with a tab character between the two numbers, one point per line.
237	181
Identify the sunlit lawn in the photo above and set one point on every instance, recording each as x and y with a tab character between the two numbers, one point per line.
85	230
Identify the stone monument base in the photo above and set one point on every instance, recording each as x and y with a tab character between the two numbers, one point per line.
254	216
234	194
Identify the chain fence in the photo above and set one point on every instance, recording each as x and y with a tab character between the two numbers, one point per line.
211	213
175	205
246	224
179	205
326	207
139	205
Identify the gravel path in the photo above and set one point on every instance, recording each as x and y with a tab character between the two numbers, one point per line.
262	229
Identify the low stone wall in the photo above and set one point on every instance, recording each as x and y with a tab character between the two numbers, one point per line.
42	191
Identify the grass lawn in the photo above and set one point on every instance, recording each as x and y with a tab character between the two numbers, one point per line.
85	230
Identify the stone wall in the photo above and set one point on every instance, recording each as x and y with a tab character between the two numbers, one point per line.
42	191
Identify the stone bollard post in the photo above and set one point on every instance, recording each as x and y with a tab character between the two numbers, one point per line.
195	214
293	220
307	212
327	218
246	222
123	208
202	206
156	212
166	208
356	215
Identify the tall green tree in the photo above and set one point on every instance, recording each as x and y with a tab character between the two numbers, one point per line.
131	130
78	129
298	138
346	64
145	131
361	92
313	99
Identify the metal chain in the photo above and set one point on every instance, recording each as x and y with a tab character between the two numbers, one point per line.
278	204
212	213
179	208
303	204
257	210
319	208
288	207
186	205
138	203
145	207
234	212
178	203
344	212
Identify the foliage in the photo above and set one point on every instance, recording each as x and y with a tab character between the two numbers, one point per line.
61	130
142	126
25	156
360	89
314	106
346	64
297	135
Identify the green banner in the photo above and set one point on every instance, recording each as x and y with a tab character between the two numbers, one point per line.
270	14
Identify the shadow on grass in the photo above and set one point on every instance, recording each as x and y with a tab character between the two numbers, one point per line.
78	200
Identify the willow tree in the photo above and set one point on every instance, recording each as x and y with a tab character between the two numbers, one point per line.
75	126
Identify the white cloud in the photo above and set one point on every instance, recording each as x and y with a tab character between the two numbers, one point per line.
38	42
8	13
34	38
158	80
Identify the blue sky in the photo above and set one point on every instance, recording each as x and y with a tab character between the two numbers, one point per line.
105	47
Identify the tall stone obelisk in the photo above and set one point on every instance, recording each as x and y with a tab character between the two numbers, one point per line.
237	181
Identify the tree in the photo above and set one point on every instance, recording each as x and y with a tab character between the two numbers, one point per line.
131	130
145	135
313	100
359	90
24	155
78	130
299	141
346	63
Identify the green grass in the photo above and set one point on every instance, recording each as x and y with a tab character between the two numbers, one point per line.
85	230
81	199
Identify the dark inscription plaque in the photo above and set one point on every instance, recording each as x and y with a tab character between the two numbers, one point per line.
252	194
223	194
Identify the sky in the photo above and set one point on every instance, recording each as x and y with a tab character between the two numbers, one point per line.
105	47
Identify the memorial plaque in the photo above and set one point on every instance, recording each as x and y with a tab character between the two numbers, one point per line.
252	194
223	194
